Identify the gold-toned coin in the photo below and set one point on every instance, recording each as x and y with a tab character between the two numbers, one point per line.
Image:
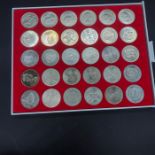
50	38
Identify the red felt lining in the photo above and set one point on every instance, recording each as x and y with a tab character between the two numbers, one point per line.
140	43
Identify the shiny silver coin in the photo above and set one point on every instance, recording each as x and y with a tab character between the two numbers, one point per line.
69	37
70	56
135	93
130	53
110	54
126	16
90	55
92	75
128	34
29	39
30	99
29	20
51	98
89	36
30	78
49	19
68	18
112	74
29	58
88	18
109	35
132	73
93	95
107	17
50	77
71	76
114	95
72	97
50	57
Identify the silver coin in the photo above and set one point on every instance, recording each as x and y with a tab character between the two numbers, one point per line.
89	36
109	35
69	37
88	18
29	58
29	39
107	17
91	75
135	93
68	18
50	77
49	19
128	34
90	55
132	73
70	56
93	95
114	95
50	57
110	54
72	97
29	20
130	53
30	99
71	76
51	98
30	78
112	74
126	16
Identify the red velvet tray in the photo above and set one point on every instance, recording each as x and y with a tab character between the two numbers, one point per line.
17	68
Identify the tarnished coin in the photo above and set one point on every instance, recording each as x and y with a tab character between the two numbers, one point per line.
70	56
88	18
50	57
69	37
132	73
107	17
29	20
30	99
135	93
126	16
91	75
29	39
128	34
114	95
71	76
29	58
49	38
50	77
130	53
90	55
49	19
51	98
110	54
68	18
89	36
112	74
72	97
30	78
93	95
109	35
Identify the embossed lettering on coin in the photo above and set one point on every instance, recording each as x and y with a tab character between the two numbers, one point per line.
30	78
30	99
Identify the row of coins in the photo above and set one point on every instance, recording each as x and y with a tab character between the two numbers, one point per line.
70	37
69	18
71	56
72	76
72	96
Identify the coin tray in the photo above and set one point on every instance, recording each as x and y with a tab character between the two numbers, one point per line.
143	62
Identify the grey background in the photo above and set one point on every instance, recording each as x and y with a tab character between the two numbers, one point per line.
121	132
